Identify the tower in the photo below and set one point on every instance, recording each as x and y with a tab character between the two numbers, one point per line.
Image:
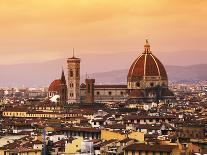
73	79
89	91
63	90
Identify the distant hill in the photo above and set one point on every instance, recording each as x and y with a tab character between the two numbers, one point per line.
175	74
30	74
191	73
41	74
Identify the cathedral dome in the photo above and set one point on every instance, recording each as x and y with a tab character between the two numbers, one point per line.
55	86
147	65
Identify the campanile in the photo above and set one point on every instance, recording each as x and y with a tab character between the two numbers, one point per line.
73	79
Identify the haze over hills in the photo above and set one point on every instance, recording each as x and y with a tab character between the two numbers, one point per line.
106	68
175	74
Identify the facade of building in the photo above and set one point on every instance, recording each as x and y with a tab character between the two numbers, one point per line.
39	113
105	93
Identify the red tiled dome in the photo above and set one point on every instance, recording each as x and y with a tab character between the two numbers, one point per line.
55	85
147	65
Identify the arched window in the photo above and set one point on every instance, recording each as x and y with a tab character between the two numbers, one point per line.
71	85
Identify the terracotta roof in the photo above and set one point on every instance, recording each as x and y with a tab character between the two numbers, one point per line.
16	109
37	142
111	86
148	126
145	147
106	143
147	65
82	129
126	140
84	111
55	85
135	117
136	93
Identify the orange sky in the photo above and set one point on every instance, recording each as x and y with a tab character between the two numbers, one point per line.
40	30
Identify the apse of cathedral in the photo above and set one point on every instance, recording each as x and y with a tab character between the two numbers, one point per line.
147	82
57	91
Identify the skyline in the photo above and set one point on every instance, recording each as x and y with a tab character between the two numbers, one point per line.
103	77
36	31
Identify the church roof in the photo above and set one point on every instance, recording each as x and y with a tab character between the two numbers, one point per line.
55	85
147	65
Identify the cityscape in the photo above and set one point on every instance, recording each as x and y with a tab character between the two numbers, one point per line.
154	107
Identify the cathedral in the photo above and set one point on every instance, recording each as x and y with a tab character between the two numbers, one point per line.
147	79
147	82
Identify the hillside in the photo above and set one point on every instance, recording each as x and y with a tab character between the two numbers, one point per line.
41	74
175	74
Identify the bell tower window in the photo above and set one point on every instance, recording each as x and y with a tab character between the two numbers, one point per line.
71	73
71	85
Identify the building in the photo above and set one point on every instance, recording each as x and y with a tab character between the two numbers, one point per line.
51	111
147	79
73	79
105	93
99	93
146	149
63	90
74	147
147	82
120	135
59	88
54	88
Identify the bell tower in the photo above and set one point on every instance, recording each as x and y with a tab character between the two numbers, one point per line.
73	79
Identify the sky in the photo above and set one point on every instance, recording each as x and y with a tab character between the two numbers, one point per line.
38	31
